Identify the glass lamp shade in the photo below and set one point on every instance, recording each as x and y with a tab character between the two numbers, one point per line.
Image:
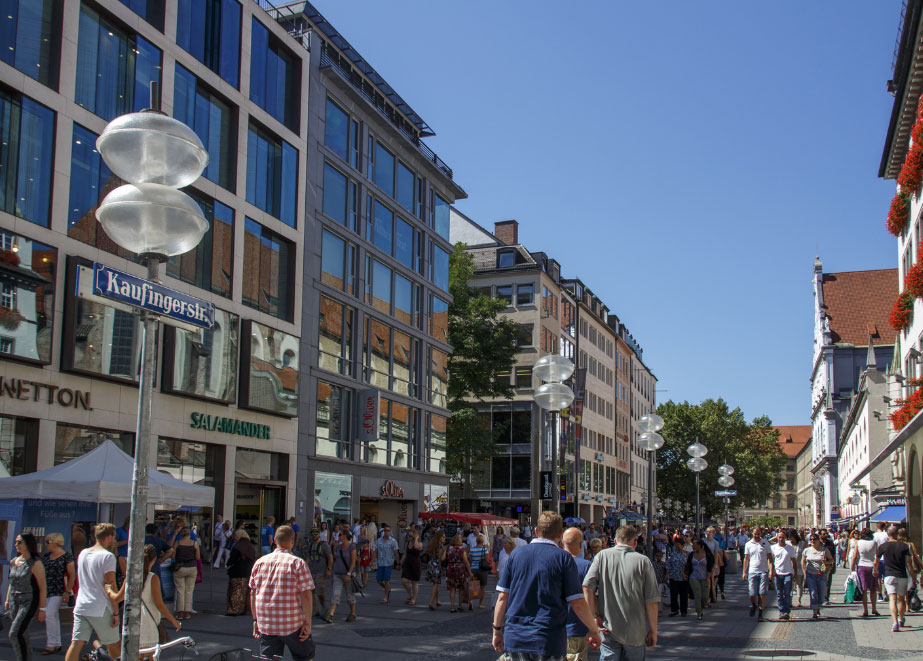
650	422
697	464
152	219
650	441
697	450
150	148
553	396
726	469
854	500
725	480
553	368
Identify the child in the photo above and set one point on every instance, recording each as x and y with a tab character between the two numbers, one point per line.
365	556
660	570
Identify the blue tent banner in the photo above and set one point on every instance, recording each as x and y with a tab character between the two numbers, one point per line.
892	513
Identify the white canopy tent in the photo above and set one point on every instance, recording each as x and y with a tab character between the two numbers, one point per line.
104	475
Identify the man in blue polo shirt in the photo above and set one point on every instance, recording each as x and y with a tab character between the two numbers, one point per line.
536	586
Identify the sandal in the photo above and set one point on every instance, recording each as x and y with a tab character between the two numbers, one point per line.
431	607
411	603
452	610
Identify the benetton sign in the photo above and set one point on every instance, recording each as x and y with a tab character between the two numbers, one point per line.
228	425
151	296
22	389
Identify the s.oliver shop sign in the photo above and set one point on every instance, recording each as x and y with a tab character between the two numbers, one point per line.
368	410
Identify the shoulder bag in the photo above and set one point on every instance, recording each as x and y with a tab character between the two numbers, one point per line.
162	636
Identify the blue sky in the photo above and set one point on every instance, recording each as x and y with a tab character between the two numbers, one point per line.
687	165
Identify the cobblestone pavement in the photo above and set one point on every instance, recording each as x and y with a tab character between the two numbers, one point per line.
397	631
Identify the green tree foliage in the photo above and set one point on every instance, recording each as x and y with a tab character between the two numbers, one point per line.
751	448
765	522
483	344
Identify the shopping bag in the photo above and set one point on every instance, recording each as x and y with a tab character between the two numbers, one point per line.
850	595
913	599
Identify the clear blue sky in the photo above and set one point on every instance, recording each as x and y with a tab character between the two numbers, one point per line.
686	160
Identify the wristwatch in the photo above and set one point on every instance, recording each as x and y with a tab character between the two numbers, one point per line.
496	628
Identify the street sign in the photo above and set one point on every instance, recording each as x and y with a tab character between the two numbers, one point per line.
128	292
546	485
721	494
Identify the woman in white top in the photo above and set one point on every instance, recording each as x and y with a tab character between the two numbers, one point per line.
851	547
152	606
509	545
863	563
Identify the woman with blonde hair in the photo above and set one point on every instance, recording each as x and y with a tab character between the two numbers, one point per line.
59	579
186	553
239	565
458	571
432	561
480	566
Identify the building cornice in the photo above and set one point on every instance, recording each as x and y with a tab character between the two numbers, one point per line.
906	85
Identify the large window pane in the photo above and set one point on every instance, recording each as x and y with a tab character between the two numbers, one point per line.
403	299
213	121
210	264
195	463
273	370
439	377
500	473
26	147
114	67
378	354
209	30
336	190
404	364
439	267
272	174
332	425
379	286
439	215
269	264
335	341
205	361
27	303
521	469
336	130
275	77
405	186
405	242
338	262
72	441
439	311
30	38
437	441
383	228
18	440
401	432
384	169
105	341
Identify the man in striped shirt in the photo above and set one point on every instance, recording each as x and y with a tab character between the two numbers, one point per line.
280	600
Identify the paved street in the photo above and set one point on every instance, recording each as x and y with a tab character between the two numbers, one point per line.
397	631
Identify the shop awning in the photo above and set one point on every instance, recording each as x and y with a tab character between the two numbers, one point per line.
892	513
471	517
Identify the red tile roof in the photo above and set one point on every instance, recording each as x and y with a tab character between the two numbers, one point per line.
793	438
858	303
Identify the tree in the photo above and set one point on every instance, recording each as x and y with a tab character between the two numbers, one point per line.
751	448
483	344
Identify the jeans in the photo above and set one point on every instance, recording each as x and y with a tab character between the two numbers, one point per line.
679	596
52	622
614	651
816	585
830	573
301	650
784	583
758	583
700	592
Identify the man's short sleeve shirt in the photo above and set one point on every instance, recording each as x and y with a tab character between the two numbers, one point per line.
386	549
758	552
277	581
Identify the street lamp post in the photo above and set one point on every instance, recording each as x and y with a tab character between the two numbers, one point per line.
651	441
553	396
726	470
697	464
148	216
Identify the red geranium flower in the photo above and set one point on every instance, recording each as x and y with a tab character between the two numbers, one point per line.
899	215
911	175
913	281
902	312
907	408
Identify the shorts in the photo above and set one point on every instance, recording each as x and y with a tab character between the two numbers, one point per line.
85	625
383	573
577	648
895	585
759	583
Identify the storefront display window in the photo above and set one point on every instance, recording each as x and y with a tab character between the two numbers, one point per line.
332	427
18	444
190	462
333	495
436	497
269	380
72	441
257	465
205	361
27	277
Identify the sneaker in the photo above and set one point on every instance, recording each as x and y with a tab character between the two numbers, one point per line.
328	618
700	618
895	628
760	616
350	618
752	609
901	623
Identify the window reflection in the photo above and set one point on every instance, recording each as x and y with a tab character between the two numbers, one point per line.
378	354
437	443
26	148
31	37
331	427
210	264
439	378
269	265
273	370
72	441
27	277
18	438
335	341
105	341
205	361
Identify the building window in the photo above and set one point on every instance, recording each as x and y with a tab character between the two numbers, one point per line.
210	265
405	358
505	292
30	38
525	294
195	463
150	10
436	450
335	336
27	136
331	427
275	77
406	244
209	30
405	300
269	262
439	214
439	378
439	267
72	441
406	182
341	197
272	174
338	263
269	379
337	130
18	445
439	318
523	377
204	361
524	333
383	175
259	465
378	285
27	304
380	229
377	354
214	121
114	67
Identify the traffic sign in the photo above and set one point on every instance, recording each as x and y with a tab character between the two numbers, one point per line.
720	494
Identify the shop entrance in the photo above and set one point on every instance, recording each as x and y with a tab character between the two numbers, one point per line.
255	502
396	513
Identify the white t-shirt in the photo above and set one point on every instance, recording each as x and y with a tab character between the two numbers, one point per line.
92	567
783	556
758	552
472	540
867	550
880	537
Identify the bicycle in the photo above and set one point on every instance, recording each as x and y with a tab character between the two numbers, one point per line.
100	654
